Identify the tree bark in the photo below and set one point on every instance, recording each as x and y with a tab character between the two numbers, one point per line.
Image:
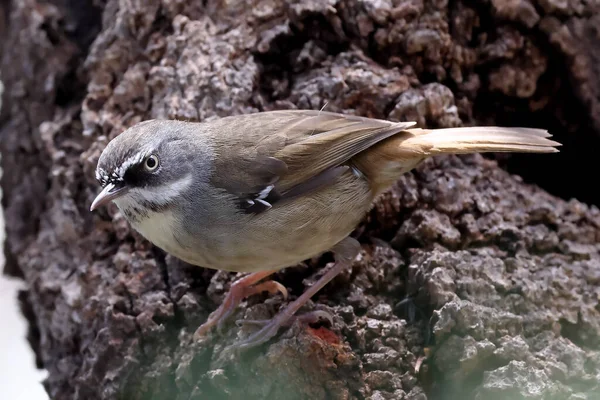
501	276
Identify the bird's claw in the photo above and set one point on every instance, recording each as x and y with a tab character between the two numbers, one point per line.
311	317
234	297
268	330
271	326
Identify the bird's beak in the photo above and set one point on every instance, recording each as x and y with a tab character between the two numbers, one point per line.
108	194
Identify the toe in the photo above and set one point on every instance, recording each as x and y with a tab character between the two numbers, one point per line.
256	339
272	287
316	316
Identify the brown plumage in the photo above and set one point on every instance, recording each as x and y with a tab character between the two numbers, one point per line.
260	192
310	142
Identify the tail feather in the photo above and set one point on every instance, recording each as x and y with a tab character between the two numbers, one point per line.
479	140
386	161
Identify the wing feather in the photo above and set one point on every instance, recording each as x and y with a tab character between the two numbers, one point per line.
293	150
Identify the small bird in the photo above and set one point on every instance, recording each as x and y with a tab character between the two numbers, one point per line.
255	193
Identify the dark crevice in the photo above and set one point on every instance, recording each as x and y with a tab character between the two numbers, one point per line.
563	115
11	264
564	109
160	256
373	227
580	336
70	89
560	174
162	24
279	64
131	313
33	332
178	321
80	25
52	33
294	276
83	21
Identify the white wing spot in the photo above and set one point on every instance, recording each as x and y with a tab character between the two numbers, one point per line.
356	172
264	193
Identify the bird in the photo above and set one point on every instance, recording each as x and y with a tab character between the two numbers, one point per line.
254	193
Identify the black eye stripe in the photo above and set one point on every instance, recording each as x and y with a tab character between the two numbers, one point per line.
134	174
135	171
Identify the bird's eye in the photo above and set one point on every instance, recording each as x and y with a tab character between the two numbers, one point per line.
151	163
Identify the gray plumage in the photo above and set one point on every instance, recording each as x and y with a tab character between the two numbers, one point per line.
203	204
260	192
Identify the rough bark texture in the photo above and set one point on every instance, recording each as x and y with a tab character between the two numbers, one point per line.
504	277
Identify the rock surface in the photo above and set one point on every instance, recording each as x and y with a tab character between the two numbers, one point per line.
502	278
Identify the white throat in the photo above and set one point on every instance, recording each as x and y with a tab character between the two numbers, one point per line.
148	212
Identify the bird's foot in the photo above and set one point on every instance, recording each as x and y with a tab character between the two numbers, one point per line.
241	289
345	252
270	327
311	317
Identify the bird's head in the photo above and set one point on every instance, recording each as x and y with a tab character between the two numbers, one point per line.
146	167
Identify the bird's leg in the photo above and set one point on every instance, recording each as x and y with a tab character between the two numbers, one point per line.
311	317
344	252
239	290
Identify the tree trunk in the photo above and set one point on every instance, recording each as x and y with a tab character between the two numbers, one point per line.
501	277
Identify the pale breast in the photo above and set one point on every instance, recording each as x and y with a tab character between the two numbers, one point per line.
160	228
286	234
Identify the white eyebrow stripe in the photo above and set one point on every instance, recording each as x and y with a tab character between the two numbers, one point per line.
133	160
102	176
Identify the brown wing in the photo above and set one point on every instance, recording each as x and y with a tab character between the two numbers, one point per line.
265	157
